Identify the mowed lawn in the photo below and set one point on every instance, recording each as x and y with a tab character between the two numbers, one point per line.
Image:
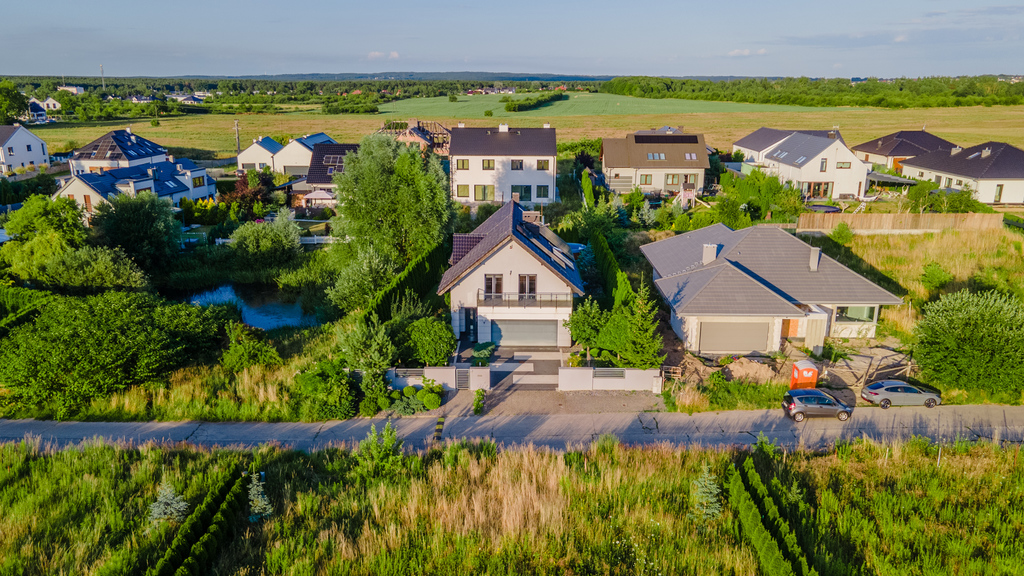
722	123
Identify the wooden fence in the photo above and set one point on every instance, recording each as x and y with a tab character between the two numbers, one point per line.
896	223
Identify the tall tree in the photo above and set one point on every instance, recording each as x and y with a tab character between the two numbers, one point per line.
143	226
13	104
394	198
585	323
643	348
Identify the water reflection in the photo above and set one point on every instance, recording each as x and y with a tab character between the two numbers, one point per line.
261	306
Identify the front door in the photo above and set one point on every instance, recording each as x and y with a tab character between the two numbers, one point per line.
469	328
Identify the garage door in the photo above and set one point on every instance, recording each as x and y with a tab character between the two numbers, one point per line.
524	332
733	336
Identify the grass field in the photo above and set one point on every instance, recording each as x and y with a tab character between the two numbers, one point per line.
585	115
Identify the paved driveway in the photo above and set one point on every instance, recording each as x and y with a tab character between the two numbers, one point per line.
739	427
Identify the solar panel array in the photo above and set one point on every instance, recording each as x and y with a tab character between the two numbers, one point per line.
666	139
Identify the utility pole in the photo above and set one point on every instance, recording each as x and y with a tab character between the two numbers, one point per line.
102	79
238	144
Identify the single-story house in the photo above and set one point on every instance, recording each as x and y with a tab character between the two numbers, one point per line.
818	167
745	291
511	282
993	170
892	149
756	145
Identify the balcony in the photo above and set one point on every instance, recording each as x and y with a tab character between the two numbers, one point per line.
516	300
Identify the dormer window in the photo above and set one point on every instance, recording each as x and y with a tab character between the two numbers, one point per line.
655	156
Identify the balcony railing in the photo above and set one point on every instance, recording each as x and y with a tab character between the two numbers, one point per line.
516	300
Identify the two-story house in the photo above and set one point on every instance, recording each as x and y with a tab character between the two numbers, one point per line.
819	167
171	180
666	161
294	158
492	164
319	187
993	170
511	282
116	149
892	149
20	148
259	154
756	145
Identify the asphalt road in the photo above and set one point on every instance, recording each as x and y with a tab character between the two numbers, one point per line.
740	427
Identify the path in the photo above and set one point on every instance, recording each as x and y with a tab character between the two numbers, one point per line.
1004	423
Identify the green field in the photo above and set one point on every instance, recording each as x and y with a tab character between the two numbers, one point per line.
578	104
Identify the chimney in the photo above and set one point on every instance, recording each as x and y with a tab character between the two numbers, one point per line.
502	127
462	124
16	124
170	158
128	129
815	258
956	150
547	124
710	254
986	152
515	197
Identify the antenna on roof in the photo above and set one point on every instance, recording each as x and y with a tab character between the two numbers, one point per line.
102	79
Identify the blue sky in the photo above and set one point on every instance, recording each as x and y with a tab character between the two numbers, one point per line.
653	37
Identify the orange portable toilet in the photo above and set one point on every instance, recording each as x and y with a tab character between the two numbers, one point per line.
805	375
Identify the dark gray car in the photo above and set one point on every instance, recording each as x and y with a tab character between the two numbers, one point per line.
887	393
808	402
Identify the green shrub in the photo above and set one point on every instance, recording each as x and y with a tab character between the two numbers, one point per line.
534	102
841	234
483	350
432	401
409	391
262	244
935	277
326	392
488	113
247	348
432	341
478	402
777	525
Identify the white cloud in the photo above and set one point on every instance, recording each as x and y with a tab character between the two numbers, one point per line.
393	55
762	52
741	53
744	52
375	55
900	38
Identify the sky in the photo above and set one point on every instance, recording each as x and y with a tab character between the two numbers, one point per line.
892	38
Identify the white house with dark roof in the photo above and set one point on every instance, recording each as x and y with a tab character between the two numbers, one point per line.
666	160
36	112
511	282
493	164
116	149
756	145
819	167
294	158
744	291
20	148
318	189
993	170
171	181
259	154
892	149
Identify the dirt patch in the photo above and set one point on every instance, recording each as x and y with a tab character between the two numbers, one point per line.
759	372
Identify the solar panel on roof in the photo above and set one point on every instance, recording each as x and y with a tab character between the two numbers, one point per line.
665	139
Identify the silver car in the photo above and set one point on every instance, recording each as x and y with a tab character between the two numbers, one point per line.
887	393
804	402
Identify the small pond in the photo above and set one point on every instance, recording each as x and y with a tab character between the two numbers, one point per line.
262	306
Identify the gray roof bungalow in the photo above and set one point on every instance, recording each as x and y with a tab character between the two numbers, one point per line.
745	291
756	145
994	171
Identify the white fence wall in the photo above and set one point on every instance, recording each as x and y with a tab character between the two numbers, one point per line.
576	379
402	377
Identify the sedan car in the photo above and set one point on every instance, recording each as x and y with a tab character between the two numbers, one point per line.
887	393
801	403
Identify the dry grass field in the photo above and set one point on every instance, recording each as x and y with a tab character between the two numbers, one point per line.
966	126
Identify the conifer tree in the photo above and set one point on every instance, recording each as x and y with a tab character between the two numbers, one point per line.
169	505
704	503
643	349
588	190
258	501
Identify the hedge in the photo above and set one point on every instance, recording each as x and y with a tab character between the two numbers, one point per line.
421	276
535	102
18	304
769	557
777	525
616	282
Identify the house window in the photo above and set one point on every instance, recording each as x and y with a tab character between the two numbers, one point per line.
462	190
842	165
88	203
483	193
28	147
492	284
197	181
655	156
248	166
10	150
920	174
488	164
999	193
462	164
542	191
523	191
959	182
691	155
646	179
527	286
690	179
330	170
855	313
517	164
672	179
949	182
824	164
262	165
543	164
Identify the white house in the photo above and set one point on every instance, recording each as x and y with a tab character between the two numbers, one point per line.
170	180
20	148
116	149
294	158
819	167
756	145
892	149
259	154
36	112
993	170
666	160
50	104
511	282
492	164
76	90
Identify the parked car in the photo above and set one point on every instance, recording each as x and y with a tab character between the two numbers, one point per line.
803	402
887	393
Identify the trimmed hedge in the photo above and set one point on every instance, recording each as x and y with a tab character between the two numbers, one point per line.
777	525
769	557
535	102
616	282
421	275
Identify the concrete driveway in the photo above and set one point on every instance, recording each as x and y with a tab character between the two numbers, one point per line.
559	431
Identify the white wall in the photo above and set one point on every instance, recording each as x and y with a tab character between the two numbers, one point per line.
293	155
846	181
100	164
984	190
583	379
503	177
256	155
15	152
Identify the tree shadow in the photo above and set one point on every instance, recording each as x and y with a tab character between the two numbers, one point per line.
847	257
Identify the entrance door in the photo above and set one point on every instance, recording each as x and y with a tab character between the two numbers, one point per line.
469	328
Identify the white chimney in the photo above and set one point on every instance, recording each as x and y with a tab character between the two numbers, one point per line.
547	124
986	152
502	127
462	124
815	258
128	129
956	150
515	197
710	254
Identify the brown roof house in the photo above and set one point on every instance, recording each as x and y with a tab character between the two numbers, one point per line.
666	160
745	291
511	282
891	150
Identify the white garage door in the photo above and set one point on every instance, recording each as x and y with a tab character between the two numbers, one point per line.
734	336
524	332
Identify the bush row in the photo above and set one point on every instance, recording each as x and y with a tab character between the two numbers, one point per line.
17	304
221	530
616	282
194	528
777	525
420	276
769	557
535	102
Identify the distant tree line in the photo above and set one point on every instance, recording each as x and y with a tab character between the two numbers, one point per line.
897	93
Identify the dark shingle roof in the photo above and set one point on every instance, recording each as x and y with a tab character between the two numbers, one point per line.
763	138
1001	161
633	150
6	132
163	173
799	149
319	171
121	144
905	143
492	142
508	224
757	271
